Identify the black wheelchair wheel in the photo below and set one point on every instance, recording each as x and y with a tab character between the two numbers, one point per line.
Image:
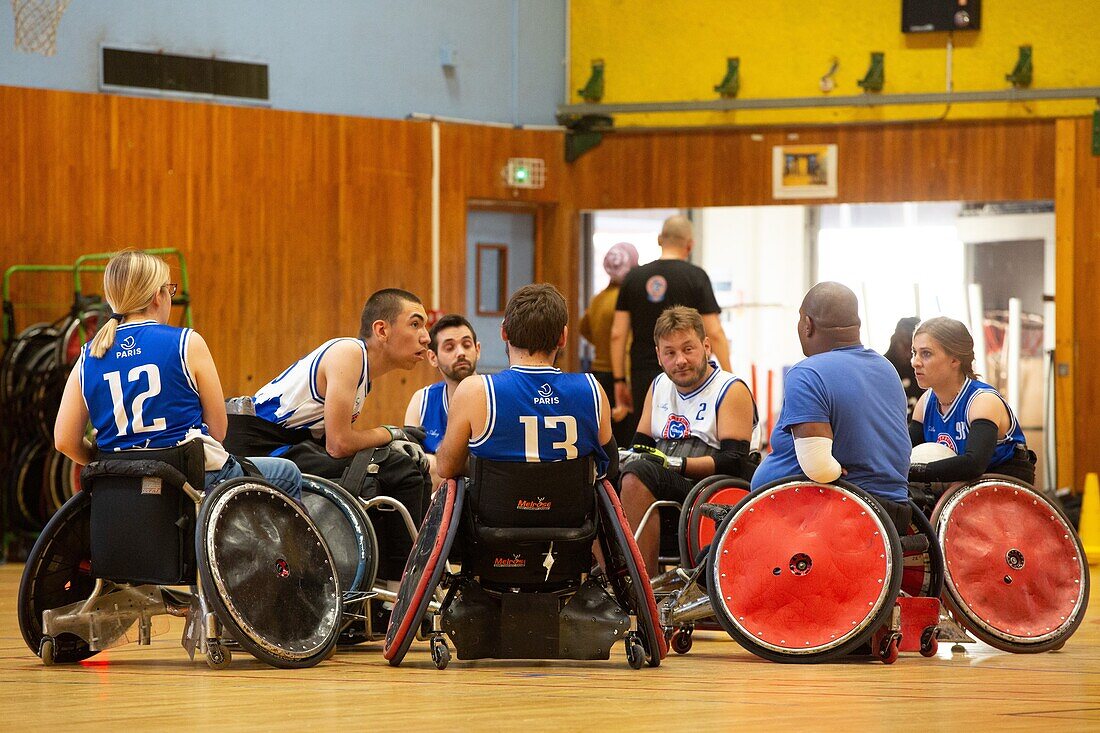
347	530
627	573
424	569
804	572
58	573
29	482
922	572
1016	573
267	573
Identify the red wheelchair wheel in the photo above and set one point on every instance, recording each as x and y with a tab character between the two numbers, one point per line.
700	530
804	572
1016	574
627	573
424	569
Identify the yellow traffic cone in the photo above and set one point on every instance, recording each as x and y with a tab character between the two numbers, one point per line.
1090	519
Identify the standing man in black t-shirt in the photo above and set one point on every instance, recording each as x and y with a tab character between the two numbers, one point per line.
646	292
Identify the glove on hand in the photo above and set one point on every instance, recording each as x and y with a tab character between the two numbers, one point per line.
408	433
645	453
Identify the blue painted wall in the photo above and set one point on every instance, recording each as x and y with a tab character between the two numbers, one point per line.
357	57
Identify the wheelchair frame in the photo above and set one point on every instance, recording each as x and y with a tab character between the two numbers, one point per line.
204	630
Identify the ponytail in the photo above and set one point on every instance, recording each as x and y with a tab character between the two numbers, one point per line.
130	281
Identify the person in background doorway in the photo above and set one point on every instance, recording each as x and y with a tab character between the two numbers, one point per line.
596	327
646	292
900	353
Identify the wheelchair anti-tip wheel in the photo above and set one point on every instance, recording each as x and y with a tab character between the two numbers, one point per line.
267	573
58	573
1016	574
696	531
804	572
627	573
424	569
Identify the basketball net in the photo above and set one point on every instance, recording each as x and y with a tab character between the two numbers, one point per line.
36	24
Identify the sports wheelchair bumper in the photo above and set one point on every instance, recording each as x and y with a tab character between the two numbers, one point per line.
259	571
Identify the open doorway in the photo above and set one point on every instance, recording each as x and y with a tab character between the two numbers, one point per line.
963	260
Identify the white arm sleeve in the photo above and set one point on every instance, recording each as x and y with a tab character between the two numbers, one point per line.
815	456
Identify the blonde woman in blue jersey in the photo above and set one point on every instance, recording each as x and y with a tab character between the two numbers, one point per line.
959	411
144	384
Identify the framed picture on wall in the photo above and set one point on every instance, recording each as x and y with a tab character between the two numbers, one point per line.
804	171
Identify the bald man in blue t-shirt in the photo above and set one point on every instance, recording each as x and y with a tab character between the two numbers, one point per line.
844	410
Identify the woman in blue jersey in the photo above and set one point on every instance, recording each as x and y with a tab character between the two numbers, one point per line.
145	384
968	416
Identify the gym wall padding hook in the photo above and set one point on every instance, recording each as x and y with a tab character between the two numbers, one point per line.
828	81
1021	73
593	89
875	77
731	82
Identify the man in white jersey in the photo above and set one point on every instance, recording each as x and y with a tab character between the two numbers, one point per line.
308	413
454	350
697	421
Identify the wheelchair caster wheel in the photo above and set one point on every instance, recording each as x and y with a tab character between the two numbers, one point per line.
46	651
929	644
441	653
681	641
217	656
888	650
635	652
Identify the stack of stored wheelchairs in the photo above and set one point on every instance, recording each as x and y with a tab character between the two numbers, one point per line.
804	572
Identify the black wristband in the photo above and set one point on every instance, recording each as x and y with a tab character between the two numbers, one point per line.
616	380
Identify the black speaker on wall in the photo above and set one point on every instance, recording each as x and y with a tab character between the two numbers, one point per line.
925	16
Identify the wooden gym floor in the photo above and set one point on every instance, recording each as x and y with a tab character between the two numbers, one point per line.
717	686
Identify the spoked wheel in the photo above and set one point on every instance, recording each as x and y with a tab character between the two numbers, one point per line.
267	573
424	569
922	572
58	573
804	572
696	531
1016	573
627	574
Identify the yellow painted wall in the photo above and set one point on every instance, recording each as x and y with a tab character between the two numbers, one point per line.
662	50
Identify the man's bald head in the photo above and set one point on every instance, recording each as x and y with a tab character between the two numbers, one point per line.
829	318
677	231
832	305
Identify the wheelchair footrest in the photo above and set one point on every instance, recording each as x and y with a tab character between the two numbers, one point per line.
122	615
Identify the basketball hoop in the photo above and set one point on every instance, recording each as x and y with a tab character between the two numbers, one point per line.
36	24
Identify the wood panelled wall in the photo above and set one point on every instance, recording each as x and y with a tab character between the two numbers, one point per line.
980	161
290	220
1077	208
